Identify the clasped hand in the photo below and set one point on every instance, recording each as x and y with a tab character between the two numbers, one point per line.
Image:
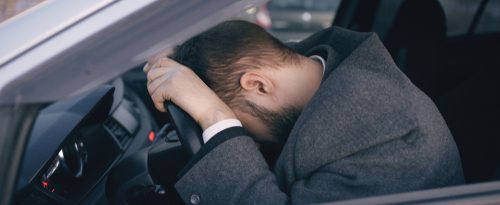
169	80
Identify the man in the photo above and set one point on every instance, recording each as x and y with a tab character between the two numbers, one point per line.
364	129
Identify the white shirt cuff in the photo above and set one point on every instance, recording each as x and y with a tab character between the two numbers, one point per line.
219	126
321	60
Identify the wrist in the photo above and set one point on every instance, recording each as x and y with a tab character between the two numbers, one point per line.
219	127
212	116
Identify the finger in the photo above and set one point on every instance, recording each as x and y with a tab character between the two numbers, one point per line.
168	52
162	54
163	62
155	84
154	58
146	68
156	62
165	53
159	99
153	74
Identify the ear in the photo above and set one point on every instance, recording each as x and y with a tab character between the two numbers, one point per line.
257	83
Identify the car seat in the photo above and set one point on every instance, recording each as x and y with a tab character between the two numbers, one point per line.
415	40
460	75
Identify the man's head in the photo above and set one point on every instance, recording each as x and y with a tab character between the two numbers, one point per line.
263	81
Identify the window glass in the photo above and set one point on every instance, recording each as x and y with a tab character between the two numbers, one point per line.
293	20
459	15
316	5
10	8
490	19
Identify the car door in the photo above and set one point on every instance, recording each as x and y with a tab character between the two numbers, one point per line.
78	46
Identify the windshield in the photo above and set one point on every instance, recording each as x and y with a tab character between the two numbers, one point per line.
314	5
91	45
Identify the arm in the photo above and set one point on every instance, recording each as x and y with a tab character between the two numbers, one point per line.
229	169
171	81
234	172
230	153
229	165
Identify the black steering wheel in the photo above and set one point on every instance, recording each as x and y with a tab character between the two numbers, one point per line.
188	131
157	166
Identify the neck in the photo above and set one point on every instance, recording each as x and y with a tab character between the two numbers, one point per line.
309	79
312	64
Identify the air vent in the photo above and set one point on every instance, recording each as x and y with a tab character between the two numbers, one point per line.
118	131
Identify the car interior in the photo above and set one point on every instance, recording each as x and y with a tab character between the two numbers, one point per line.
458	71
111	146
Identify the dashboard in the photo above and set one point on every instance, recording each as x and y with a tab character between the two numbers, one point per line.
75	142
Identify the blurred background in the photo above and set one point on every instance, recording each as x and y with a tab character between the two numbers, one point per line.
293	20
9	8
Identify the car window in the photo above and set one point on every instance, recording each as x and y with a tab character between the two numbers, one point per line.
293	20
312	5
490	19
11	8
459	15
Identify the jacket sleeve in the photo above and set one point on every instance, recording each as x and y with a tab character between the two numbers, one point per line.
235	172
229	169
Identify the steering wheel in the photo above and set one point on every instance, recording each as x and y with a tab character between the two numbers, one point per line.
188	131
154	169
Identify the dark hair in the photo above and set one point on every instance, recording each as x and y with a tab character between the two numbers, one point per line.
221	55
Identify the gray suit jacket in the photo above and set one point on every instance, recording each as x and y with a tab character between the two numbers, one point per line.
367	131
